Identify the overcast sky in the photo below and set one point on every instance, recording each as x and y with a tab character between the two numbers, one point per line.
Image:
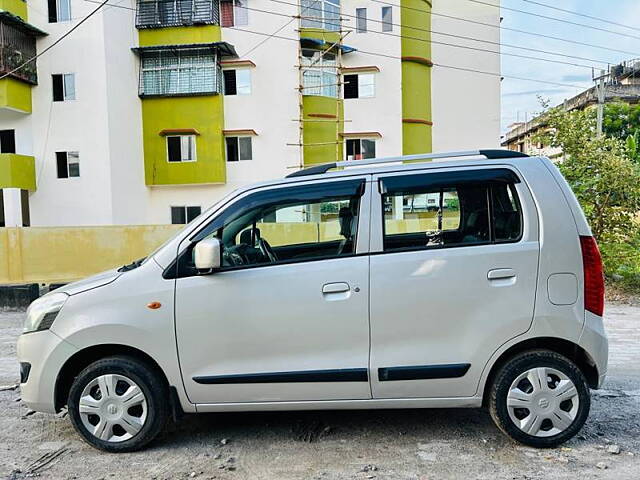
519	97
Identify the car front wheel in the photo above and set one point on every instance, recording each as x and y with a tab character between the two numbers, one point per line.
118	404
539	398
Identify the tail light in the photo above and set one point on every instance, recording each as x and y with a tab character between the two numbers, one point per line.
593	276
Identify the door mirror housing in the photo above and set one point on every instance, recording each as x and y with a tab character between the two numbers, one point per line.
208	254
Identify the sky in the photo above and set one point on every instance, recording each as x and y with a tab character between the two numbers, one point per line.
520	98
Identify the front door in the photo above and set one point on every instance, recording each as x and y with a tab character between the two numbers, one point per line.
286	317
453	279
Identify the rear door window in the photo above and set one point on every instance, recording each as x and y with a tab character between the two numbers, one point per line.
453	209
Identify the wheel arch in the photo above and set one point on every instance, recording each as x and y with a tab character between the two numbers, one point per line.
83	358
567	348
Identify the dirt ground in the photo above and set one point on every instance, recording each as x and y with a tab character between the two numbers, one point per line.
398	444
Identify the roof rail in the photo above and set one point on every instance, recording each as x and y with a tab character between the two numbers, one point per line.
324	168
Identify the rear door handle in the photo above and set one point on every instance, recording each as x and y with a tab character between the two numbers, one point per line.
501	274
339	287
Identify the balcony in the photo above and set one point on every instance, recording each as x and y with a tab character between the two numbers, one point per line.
176	13
17	45
17	171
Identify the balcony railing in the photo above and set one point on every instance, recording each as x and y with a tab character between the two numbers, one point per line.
16	47
174	13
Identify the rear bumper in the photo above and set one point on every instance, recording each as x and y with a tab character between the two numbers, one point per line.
45	353
595	342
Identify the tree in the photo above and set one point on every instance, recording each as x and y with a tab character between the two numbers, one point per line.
604	178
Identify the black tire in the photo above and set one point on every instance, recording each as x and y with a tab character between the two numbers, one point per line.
516	366
149	381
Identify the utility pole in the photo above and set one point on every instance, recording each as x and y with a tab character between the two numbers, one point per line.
600	89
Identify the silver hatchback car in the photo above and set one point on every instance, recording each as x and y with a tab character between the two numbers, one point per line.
468	280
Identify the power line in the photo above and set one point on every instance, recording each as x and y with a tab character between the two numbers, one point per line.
262	42
591	17
546	17
509	29
466	47
66	34
500	27
494	74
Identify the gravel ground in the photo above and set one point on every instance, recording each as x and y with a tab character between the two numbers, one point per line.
394	444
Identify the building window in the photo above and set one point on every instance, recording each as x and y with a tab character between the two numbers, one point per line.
359	86
323	14
171	13
68	164
239	148
179	72
64	87
361	20
387	19
360	149
184	215
237	82
234	13
319	73
7	141
59	11
181	148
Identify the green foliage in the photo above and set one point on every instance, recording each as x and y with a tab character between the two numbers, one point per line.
621	120
605	179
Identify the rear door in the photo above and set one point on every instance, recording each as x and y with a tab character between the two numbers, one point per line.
449	284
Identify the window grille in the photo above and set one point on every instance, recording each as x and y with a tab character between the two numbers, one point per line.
16	47
169	13
323	14
167	72
319	73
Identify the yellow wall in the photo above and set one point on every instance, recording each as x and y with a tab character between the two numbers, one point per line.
204	114
179	35
63	254
17	7
17	171
15	95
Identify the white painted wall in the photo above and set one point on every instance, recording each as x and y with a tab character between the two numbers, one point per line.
466	105
383	113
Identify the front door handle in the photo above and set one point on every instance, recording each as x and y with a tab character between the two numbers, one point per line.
501	274
339	287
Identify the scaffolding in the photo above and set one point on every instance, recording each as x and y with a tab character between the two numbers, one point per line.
316	15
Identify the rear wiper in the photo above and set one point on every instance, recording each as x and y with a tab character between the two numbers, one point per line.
132	266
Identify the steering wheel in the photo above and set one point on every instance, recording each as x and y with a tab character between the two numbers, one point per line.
266	250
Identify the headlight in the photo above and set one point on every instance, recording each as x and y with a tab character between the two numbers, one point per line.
43	311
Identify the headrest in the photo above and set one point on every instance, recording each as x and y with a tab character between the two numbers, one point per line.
245	236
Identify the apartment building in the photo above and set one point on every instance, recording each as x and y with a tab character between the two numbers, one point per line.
152	110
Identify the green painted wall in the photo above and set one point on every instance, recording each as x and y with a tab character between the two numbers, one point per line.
203	113
17	171
416	77
148	37
17	7
326	130
321	34
15	95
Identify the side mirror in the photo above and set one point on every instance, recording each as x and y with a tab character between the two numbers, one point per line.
208	254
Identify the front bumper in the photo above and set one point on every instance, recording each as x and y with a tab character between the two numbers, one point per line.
46	353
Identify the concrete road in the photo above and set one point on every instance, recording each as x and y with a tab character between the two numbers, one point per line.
405	444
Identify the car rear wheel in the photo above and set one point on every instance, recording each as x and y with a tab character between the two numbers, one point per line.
539	398
118	404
